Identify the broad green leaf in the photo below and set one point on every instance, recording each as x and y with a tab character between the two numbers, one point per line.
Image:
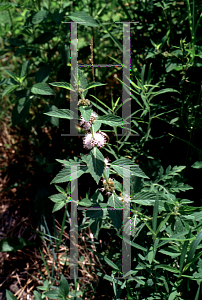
58	197
39	16
53	294
63	288
58	205
96	126
197	165
95	164
41	89
114	202
37	296
64	85
65	174
111	120
80	16
10	296
63	114
85	202
86	112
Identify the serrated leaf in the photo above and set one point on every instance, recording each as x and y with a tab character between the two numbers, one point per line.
41	89
60	189
58	197
86	112
64	85
95	163
93	84
63	114
111	120
85	202
65	174
58	205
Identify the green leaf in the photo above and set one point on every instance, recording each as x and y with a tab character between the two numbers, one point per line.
85	202
53	120
12	75
63	114
9	89
58	197
95	163
39	16
93	84
80	16
24	68
131	243
37	295
86	112
41	89
42	74
63	288
168	268
111	120
194	246
58	205
13	244
60	189
64	85
114	202
197	165
53	294
111	264
65	174
10	296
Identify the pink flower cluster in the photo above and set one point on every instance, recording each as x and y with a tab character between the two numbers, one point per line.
89	142
86	125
